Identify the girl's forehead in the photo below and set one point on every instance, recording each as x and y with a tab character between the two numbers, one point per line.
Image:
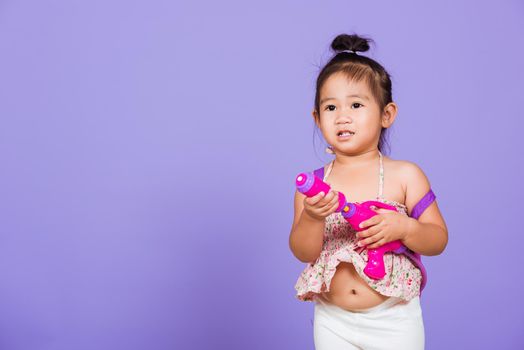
341	85
337	81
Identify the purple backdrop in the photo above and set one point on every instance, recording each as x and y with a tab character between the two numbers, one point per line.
149	150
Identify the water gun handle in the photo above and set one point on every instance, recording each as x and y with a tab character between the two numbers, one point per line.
309	184
355	213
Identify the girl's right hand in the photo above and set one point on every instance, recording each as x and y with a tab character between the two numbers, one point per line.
320	206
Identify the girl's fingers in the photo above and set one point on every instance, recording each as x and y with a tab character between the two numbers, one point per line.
335	198
377	244
333	205
323	203
327	207
328	200
373	239
316	198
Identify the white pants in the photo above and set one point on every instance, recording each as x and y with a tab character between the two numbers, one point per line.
395	324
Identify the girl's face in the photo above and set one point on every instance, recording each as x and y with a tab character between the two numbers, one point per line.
348	105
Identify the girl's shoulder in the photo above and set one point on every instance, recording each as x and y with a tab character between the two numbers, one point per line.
420	197
401	166
397	168
407	168
406	172
414	181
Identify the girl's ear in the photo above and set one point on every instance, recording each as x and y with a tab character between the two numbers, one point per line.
389	114
315	118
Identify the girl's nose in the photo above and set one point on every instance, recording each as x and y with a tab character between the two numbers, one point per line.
344	119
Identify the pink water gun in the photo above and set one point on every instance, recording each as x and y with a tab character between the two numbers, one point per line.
354	213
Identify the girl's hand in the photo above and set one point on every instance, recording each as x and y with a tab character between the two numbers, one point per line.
320	206
386	226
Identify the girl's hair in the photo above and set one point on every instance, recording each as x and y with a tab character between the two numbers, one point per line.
357	68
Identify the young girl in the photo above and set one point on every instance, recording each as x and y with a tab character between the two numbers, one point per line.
354	109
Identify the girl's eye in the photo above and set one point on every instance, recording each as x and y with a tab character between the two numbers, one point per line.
329	106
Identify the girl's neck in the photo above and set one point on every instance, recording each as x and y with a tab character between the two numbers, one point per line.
355	161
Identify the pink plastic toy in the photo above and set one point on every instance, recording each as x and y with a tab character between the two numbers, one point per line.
354	213
310	185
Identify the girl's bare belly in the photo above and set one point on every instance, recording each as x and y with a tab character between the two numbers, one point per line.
349	291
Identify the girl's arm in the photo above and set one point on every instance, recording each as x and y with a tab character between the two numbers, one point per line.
429	234
307	233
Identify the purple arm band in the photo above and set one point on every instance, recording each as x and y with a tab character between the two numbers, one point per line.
422	204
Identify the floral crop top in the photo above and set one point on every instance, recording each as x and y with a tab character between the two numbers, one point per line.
405	274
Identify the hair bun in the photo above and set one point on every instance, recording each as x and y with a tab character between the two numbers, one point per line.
350	42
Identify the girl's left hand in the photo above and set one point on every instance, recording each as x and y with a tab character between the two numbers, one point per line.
386	226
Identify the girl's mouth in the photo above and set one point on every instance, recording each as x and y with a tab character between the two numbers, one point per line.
344	135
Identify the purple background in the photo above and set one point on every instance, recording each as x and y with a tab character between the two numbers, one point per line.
149	150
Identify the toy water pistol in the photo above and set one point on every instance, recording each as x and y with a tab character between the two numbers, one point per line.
354	213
